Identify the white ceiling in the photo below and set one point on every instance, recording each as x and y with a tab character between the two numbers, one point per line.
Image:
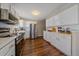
25	10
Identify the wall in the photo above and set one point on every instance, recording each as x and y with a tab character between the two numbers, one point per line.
73	28
26	25
40	27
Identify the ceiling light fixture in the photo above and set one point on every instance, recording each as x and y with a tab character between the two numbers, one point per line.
35	12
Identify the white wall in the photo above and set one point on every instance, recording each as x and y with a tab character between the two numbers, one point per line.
73	28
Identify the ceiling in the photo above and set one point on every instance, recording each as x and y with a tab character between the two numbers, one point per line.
25	9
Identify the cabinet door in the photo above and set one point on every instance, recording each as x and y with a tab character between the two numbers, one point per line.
4	14
5	6
69	16
54	40
7	48
11	52
53	21
48	22
44	35
65	43
56	20
48	36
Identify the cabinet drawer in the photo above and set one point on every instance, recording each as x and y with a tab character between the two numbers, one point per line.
7	48
11	52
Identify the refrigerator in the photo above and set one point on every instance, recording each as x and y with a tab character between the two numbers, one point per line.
31	31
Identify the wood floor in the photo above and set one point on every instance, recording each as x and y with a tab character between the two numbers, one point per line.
39	47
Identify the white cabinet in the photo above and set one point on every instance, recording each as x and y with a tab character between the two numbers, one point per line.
8	50
69	16
60	41
5	6
56	20
45	35
75	44
9	7
54	40
11	52
48	23
4	14
66	17
12	10
53	21
65	43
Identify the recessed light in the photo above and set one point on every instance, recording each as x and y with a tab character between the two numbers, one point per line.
35	12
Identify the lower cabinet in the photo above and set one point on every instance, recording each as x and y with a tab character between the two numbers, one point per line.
8	50
19	47
65	43
60	41
45	35
11	52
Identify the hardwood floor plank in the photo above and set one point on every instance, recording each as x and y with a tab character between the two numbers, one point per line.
39	47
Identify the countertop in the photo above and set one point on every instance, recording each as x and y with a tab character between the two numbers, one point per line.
61	32
5	41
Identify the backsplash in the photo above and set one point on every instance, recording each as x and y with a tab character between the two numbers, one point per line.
72	28
68	28
8	30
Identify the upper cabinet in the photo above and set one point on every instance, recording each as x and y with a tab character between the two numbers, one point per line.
66	17
53	21
8	14
5	6
4	14
69	16
10	7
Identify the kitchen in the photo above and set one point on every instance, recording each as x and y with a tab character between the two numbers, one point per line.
39	29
